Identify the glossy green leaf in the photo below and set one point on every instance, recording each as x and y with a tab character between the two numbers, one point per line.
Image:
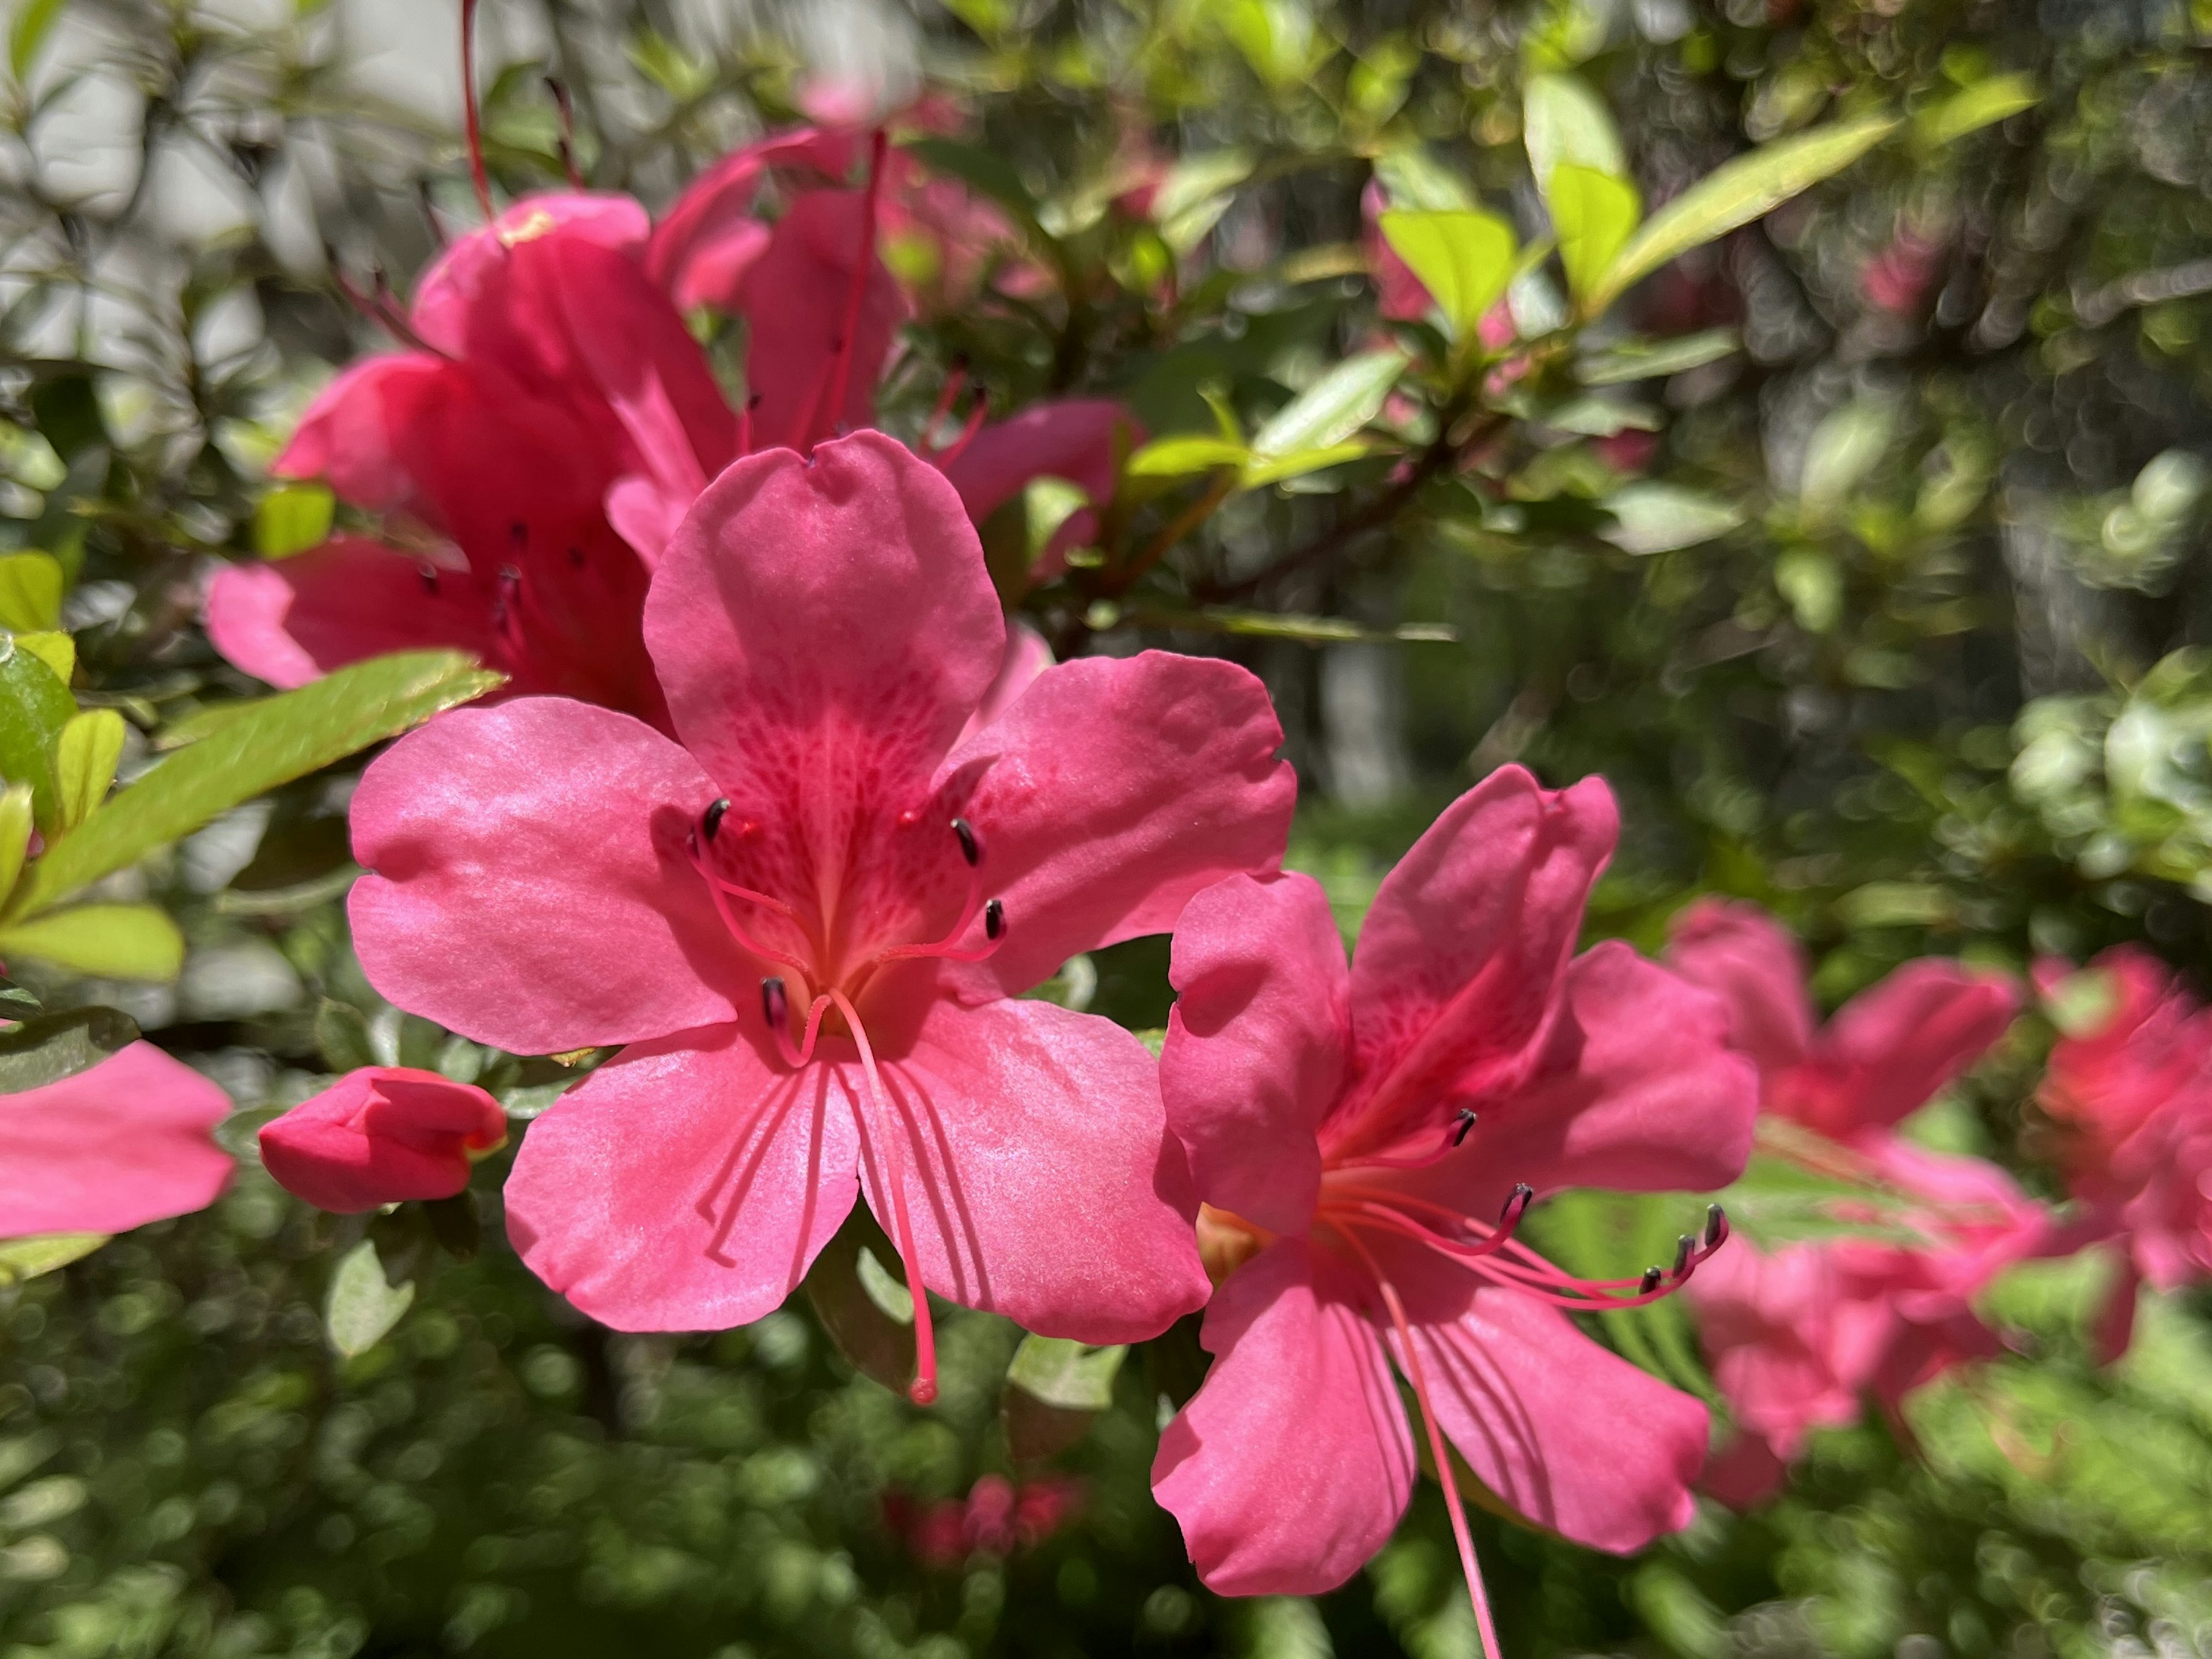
111	941
15	824
26	1258
1179	457
342	1036
1641	360
1738	192
1046	504
1562	120
30	592
1465	260
362	1307
35	706
282	738
1333	408
1593	213
1979	106
57	1046
84	763
291	518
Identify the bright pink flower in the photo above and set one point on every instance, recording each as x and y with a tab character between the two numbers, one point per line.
1366	1141
380	1135
119	1144
1799	1337
1082	440
810	921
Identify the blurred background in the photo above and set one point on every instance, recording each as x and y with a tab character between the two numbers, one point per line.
1887	614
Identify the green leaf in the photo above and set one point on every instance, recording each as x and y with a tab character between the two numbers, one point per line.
57	1046
1046	504
30	592
1846	446
14	835
26	1258
28	32
855	1305
362	1306
1640	360
1333	408
1563	120
52	647
84	763
113	941
1978	107
292	518
1593	214
342	1035
282	738
1465	260
1659	518
1194	194
1412	178
1738	192
1179	457
35	706
1262	473
1287	625
1056	1388
1603	1234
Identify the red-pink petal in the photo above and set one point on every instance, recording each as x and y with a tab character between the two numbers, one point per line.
295	620
381	1135
1894	1046
1026	657
1040	1178
121	1144
528	884
469	276
686	1185
1752	964
1769	1327
1291	1466
1078	438
707	240
1256	1043
1111	791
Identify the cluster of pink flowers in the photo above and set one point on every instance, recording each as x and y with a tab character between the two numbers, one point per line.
998	1518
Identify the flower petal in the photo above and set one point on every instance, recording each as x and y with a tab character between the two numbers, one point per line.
294	620
528	884
686	1185
1081	440
1041	1182
119	1144
1752	962
1566	1432
1893	1048
1256	1043
468	279
1026	657
1291	1466
1457	979
381	1135
1111	791
708	237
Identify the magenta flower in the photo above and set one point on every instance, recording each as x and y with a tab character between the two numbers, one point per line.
1365	1143
1798	1337
380	1135
810	921
119	1144
1082	440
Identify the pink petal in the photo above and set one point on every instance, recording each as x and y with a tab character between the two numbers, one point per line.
1459	972
1769	1324
1752	964
1894	1046
293	621
121	1144
686	1185
1744	1473
794	299
708	237
1566	1432
1078	438
1042	1184
1403	297
1026	657
528	884
381	1135
1256	1043
1111	791
1293	1463
453	295
349	435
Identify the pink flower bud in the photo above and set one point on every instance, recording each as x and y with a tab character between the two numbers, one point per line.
379	1135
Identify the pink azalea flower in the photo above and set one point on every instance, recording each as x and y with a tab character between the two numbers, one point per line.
380	1135
1082	440
119	1144
1798	1337
1364	1142
810	921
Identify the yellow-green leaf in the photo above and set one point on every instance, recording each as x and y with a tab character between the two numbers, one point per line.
26	1258
1563	120
1465	260
34	22
1738	192
363	1304
15	834
1594	214
291	518
1334	407
84	763
55	649
30	592
114	941
35	706
1298	464
1177	458
1976	107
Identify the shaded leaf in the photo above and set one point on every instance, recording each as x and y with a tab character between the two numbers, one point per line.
342	1036
1658	518
1977	106
1638	359
362	1307
56	1046
26	1258
1055	1389
859	1316
35	706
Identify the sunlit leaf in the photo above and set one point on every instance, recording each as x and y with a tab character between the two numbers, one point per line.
30	592
1564	121
34	20
1333	408
113	941
1178	458
15	825
1465	260
1977	106
1658	518
85	757
362	1306
26	1258
291	518
1593	213
1056	1388
35	706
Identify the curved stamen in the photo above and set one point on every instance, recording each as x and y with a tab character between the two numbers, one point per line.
969	428
994	913
953	384
924	1388
710	822
775	1008
715	885
471	121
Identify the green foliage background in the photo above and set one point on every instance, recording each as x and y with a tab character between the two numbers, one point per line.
1933	685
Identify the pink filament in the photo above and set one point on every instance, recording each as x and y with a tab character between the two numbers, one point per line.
923	1390
841	376
469	115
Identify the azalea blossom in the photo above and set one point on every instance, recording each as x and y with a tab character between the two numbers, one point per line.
809	920
1365	1142
119	1144
1798	1336
380	1135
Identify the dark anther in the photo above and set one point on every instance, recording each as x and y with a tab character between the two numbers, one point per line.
1467	1121
1652	1277
1684	1248
518	532
576	557
971	848
1516	1203
995	920
712	820
776	1007
1716	1226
